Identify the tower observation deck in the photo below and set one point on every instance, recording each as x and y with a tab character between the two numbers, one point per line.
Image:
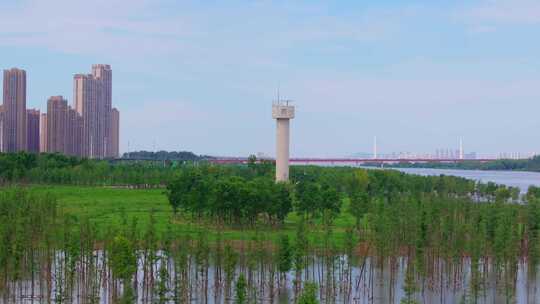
282	112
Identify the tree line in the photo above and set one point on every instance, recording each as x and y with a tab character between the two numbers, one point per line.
165	155
47	168
531	164
246	195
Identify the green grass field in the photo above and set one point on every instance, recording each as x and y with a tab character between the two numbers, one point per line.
104	206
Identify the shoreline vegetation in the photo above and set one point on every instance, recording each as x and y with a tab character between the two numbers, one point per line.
527	165
66	232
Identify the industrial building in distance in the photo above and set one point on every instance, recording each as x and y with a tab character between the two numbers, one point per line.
89	128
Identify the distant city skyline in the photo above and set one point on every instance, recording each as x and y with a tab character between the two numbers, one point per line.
89	127
418	74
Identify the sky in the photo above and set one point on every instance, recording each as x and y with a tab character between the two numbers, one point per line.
201	75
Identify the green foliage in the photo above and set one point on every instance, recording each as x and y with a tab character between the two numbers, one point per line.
230	260
425	217
285	255
309	294
129	295
532	164
164	155
123	260
241	292
162	288
358	206
301	246
189	191
232	199
314	199
409	286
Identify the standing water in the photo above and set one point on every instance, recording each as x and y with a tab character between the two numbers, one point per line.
340	280
519	179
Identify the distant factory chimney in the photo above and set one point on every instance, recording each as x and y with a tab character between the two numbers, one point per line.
375	147
460	148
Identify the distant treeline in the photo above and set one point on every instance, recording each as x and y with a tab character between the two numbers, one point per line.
165	155
56	168
532	164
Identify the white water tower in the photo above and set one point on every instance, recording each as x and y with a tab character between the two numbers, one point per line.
282	112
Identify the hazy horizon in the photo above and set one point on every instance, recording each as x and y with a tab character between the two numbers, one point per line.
201	77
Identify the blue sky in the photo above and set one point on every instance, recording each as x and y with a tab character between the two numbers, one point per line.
201	75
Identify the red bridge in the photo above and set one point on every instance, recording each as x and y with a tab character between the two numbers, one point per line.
356	161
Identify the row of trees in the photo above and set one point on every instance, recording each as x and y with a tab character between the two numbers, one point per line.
46	168
229	199
59	169
532	164
164	155
243	195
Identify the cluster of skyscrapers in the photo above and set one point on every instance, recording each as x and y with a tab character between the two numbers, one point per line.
90	127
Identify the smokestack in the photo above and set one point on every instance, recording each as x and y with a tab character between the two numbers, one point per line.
375	147
460	148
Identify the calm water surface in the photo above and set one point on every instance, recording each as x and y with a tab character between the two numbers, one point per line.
519	179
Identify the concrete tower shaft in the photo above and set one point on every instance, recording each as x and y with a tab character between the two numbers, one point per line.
282	112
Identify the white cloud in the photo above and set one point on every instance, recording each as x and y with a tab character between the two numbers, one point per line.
255	32
96	27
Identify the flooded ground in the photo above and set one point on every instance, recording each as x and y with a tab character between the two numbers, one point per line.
364	280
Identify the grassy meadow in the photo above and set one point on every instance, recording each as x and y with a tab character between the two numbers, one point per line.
105	206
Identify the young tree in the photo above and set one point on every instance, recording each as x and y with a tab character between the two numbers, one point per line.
123	263
308	197
282	203
241	293
230	261
309	294
330	201
285	256
409	286
162	288
359	204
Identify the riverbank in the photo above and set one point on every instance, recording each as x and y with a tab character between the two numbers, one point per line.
525	165
520	179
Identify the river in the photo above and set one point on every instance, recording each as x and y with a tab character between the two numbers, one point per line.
519	179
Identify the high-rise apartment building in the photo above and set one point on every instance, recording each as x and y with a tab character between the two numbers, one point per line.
63	127
115	133
57	113
102	74
1	128
85	95
92	94
89	129
14	94
43	133
73	133
32	130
